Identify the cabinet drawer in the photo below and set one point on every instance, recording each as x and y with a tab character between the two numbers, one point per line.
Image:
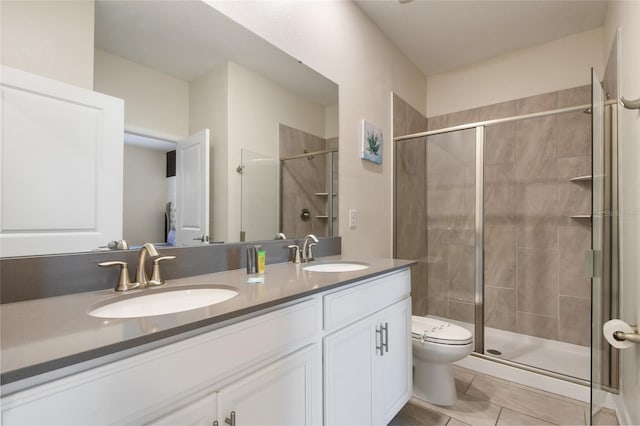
362	299
152	382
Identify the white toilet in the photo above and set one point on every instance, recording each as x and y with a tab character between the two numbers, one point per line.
436	344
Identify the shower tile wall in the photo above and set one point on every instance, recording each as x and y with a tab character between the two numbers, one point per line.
411	226
302	178
534	251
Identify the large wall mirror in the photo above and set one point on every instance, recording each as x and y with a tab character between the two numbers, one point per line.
182	67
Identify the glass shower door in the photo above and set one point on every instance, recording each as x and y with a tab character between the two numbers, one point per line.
259	197
454	239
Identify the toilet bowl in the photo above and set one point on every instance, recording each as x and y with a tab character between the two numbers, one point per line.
436	344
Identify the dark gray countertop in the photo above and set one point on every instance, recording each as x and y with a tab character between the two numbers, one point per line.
51	334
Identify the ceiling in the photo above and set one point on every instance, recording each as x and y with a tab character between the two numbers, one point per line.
442	35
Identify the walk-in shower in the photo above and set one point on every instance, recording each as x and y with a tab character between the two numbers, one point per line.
495	204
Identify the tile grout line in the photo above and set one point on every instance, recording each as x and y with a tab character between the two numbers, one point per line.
499	414
559	398
469	385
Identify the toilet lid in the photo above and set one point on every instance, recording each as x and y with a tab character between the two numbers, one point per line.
436	331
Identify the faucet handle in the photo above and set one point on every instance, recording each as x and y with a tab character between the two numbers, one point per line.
124	282
156	277
296	258
309	252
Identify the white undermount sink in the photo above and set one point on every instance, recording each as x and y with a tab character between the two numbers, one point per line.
336	267
166	301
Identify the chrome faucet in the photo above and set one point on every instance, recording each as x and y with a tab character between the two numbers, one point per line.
141	274
309	241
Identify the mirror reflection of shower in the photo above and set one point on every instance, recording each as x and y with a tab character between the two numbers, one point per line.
308	183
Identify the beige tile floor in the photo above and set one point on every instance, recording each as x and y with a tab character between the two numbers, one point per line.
485	400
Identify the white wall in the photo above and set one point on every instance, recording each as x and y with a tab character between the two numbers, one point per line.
560	64
338	40
52	39
331	121
626	15
145	192
154	101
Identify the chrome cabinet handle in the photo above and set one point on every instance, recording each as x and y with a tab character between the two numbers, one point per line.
381	347
386	337
231	420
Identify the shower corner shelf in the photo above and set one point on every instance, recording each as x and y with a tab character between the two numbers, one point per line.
324	194
323	217
585	178
581	216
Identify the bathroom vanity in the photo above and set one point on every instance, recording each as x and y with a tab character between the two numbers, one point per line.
303	347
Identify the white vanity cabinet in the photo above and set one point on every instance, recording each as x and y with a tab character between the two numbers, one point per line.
347	348
367	352
263	360
284	393
202	412
281	394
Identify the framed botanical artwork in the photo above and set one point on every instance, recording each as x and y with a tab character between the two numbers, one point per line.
371	143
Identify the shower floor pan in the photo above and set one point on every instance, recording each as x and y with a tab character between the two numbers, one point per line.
551	355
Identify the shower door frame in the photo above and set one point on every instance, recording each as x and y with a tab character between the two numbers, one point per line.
479	243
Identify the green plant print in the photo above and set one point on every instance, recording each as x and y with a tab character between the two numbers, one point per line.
373	141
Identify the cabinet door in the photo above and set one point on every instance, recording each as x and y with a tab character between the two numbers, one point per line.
396	360
199	413
287	392
349	373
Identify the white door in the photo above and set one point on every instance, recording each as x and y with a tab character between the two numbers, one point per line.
285	393
397	384
192	189
350	374
61	150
